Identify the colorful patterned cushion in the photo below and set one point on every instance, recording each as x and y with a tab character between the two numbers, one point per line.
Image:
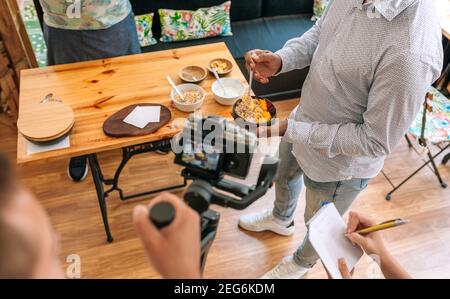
318	8
179	25
437	127
144	29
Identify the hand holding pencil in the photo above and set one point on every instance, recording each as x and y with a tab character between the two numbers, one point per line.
371	243
364	232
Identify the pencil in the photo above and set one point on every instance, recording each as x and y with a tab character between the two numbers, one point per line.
382	226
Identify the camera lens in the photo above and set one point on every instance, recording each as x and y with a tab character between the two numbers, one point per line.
162	214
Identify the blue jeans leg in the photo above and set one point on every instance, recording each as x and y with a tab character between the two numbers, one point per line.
288	183
341	193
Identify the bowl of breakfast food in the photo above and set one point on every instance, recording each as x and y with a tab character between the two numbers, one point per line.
232	90
191	97
254	110
221	65
192	74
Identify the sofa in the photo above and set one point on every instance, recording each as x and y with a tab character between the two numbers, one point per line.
263	24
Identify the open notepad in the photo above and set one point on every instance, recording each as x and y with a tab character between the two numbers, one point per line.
327	236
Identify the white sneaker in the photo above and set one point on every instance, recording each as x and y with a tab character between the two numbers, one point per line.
258	222
286	269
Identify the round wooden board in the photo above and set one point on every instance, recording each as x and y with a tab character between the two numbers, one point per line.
114	126
53	138
45	121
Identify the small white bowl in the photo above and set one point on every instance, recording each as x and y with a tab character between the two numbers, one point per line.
187	107
234	91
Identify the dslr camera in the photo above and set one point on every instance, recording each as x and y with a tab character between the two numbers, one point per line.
211	149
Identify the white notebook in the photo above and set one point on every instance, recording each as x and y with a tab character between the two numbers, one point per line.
327	235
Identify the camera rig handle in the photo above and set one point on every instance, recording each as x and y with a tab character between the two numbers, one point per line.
161	214
201	194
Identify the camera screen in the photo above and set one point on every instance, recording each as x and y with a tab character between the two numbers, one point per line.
199	158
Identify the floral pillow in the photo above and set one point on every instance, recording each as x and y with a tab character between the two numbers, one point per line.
319	8
144	29
179	25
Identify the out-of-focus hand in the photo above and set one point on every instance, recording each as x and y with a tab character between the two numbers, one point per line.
264	63
346	274
174	250
343	269
276	129
371	243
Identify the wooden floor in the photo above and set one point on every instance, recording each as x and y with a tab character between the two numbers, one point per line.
423	246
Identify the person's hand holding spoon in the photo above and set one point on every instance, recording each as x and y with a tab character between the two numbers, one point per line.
263	63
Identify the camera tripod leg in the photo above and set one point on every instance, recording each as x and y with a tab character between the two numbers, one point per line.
209	223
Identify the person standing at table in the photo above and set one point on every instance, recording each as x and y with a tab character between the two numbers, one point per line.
81	30
371	64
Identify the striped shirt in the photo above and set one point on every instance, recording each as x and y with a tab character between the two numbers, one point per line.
371	65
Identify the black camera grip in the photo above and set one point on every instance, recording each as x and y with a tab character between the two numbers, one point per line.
162	214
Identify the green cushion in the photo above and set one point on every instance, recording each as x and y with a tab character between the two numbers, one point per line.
263	33
181	25
240	9
144	29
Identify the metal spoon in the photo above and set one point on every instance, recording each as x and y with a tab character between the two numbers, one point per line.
250	81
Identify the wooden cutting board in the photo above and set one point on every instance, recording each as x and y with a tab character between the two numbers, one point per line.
45	121
114	126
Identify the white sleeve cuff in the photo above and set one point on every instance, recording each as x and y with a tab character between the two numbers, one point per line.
297	132
286	64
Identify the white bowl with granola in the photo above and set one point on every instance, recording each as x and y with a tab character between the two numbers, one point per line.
193	96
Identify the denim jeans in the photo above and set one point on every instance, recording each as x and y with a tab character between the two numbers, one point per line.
288	186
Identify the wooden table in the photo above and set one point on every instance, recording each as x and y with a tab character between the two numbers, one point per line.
97	89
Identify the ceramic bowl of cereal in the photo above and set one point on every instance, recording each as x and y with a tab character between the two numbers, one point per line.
221	65
193	96
254	110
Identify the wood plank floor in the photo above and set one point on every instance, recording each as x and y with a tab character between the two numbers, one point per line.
423	246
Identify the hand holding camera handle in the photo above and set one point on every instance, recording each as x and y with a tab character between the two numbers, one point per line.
162	214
